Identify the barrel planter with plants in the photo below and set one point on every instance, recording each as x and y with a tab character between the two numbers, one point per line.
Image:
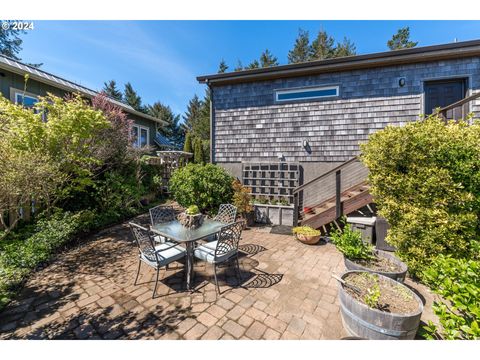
376	307
306	234
361	256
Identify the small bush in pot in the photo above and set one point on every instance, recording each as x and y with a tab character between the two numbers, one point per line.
361	256
242	199
306	234
191	218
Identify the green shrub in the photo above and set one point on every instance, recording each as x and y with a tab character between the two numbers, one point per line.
457	281
206	186
425	177
350	244
192	210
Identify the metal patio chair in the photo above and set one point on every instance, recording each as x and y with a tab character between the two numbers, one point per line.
222	250
227	213
160	214
156	256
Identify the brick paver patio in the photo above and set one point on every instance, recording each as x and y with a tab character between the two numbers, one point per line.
88	293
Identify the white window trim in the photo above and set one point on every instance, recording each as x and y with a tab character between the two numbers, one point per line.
137	140
17	92
304	89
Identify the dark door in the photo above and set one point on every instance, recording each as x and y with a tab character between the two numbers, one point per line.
443	93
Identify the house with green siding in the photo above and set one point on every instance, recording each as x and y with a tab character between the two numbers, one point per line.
12	86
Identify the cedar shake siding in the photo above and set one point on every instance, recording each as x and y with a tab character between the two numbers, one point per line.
250	126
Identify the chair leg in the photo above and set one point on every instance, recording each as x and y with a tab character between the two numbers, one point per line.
138	272
156	283
217	287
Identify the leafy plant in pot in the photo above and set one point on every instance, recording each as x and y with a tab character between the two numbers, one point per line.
243	201
191	218
306	234
361	256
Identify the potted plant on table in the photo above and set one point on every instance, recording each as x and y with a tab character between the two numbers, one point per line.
191	218
376	307
243	201
361	256
306	234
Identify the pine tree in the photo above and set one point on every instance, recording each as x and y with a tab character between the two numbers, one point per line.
172	130
323	47
192	115
267	59
222	67
11	43
187	146
201	128
198	151
239	66
401	40
110	88
346	48
131	97
253	65
301	49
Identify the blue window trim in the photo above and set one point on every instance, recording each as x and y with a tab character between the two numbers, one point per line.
307	93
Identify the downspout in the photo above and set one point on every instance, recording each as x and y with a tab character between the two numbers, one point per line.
212	124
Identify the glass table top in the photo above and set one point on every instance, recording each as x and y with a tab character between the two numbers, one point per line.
176	231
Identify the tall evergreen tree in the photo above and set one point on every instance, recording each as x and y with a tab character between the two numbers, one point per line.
11	44
132	98
222	67
239	66
301	50
187	145
401	40
198	157
345	48
323	47
193	113
267	59
110	88
253	65
172	131
201	128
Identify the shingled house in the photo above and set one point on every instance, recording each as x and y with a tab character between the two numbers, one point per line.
40	83
314	115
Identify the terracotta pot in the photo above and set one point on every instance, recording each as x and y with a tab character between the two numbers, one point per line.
308	239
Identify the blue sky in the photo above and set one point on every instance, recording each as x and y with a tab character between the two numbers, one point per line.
162	58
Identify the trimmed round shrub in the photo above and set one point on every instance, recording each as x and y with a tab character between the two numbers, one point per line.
206	186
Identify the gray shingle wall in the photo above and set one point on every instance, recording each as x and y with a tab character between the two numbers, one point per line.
250	126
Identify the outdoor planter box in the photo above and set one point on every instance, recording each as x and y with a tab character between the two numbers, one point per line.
274	214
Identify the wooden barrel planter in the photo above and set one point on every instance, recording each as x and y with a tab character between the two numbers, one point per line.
397	276
364	322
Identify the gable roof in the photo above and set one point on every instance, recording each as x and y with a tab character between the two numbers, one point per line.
44	77
387	58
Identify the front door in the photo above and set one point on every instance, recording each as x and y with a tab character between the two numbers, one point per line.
439	94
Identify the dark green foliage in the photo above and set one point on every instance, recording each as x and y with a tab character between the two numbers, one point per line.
198	156
187	146
239	66
267	59
350	244
110	88
11	43
401	40
131	97
253	65
345	48
192	116
172	131
206	186
301	49
425	177
457	281
222	67
323	47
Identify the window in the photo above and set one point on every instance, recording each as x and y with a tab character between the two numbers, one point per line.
306	93
25	100
140	135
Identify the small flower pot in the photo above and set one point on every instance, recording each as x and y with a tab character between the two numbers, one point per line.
308	239
191	221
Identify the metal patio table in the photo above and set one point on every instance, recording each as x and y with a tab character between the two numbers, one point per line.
179	233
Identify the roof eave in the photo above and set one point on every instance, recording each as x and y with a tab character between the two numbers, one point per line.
398	57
